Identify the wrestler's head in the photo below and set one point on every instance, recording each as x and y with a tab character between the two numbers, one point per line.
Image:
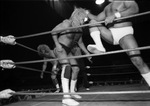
44	50
78	16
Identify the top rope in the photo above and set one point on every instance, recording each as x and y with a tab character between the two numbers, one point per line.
85	25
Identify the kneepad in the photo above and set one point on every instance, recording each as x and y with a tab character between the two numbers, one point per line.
134	55
67	71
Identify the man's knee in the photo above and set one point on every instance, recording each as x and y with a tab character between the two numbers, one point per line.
75	69
67	71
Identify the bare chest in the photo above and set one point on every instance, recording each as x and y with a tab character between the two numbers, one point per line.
116	6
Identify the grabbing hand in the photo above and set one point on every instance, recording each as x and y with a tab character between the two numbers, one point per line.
87	12
10	39
109	19
89	58
93	22
41	76
8	64
6	93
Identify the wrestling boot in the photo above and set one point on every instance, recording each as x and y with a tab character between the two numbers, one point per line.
69	102
72	90
95	50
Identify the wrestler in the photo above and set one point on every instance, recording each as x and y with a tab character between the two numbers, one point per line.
46	53
64	42
121	32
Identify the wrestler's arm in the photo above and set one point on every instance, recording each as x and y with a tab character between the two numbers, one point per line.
44	65
55	68
55	34
43	68
100	17
54	63
82	46
131	8
63	25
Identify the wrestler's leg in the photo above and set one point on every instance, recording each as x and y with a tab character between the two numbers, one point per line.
75	71
129	42
65	76
96	36
66	71
106	34
55	81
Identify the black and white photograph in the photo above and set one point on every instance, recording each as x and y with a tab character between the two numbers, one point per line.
74	53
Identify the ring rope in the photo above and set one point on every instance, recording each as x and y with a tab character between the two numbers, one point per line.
95	100
112	66
26	47
114	73
27	68
36	70
85	25
88	93
83	56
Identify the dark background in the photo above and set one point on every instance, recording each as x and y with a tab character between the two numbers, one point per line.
24	17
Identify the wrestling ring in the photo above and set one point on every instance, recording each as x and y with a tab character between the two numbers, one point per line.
137	95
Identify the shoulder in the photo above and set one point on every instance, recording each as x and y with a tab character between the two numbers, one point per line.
66	23
108	6
130	3
63	24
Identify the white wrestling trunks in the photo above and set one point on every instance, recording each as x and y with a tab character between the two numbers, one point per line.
119	33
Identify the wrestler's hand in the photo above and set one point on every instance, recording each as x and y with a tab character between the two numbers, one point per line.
109	19
54	67
89	58
92	22
41	76
87	12
6	93
54	72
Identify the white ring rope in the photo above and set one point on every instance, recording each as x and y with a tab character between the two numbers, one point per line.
108	66
113	74
32	69
26	47
36	70
83	56
85	25
88	93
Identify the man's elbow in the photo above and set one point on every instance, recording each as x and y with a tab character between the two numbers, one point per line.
136	8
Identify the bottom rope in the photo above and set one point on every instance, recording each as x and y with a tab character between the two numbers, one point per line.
87	93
